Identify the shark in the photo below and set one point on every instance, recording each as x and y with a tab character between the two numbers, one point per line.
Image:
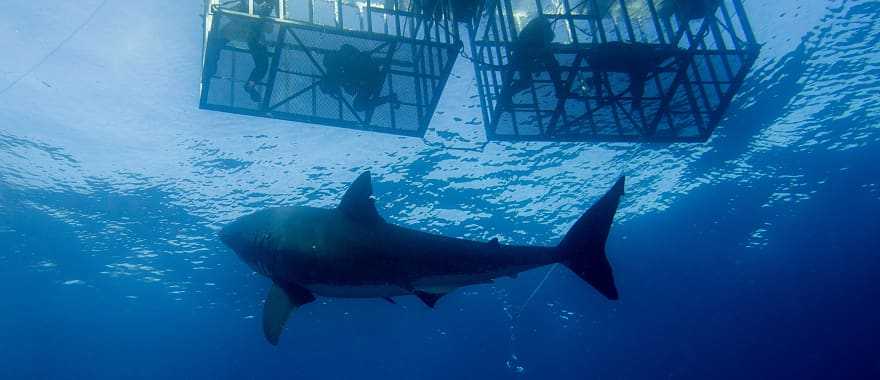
350	251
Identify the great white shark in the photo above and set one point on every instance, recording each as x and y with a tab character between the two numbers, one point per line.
352	252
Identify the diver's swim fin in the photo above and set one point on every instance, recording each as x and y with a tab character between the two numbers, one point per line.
280	302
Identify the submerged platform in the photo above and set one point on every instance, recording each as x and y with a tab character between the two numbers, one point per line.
709	45
413	57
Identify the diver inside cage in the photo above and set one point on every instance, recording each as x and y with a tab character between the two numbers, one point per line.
358	74
251	32
636	59
689	10
530	54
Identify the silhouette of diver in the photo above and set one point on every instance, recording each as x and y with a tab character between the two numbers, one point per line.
530	54
252	32
637	59
358	74
688	10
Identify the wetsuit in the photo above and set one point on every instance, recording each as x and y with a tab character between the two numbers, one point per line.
357	73
529	54
688	10
251	33
636	59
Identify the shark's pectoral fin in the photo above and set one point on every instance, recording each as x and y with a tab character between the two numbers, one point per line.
428	298
390	300
280	302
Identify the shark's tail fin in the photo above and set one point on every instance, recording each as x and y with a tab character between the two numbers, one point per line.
583	248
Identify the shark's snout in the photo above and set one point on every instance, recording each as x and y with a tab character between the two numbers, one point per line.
223	235
248	237
227	235
234	236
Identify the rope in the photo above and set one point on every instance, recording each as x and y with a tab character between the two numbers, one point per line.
535	291
514	363
53	51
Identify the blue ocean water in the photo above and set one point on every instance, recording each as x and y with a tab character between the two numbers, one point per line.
753	255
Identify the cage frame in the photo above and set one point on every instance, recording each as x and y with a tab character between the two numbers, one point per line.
426	36
489	52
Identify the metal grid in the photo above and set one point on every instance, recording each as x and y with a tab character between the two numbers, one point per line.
414	55
684	97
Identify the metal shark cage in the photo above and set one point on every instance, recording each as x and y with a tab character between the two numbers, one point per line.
684	96
414	55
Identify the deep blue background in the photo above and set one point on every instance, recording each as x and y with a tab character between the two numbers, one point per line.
752	256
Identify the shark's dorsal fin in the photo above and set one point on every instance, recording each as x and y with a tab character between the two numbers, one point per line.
280	302
358	204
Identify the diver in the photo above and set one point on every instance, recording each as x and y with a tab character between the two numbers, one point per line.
530	54
358	74
636	59
689	10
466	10
252	33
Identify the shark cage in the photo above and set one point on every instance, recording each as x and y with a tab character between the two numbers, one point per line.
377	65
609	70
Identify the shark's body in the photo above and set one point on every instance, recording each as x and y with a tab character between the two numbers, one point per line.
351	252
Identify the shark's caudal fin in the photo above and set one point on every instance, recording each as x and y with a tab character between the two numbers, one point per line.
583	248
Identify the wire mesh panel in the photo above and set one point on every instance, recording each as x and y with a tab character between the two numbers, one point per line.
609	70
372	65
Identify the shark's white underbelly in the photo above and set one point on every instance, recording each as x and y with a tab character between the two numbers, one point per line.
433	284
360	291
